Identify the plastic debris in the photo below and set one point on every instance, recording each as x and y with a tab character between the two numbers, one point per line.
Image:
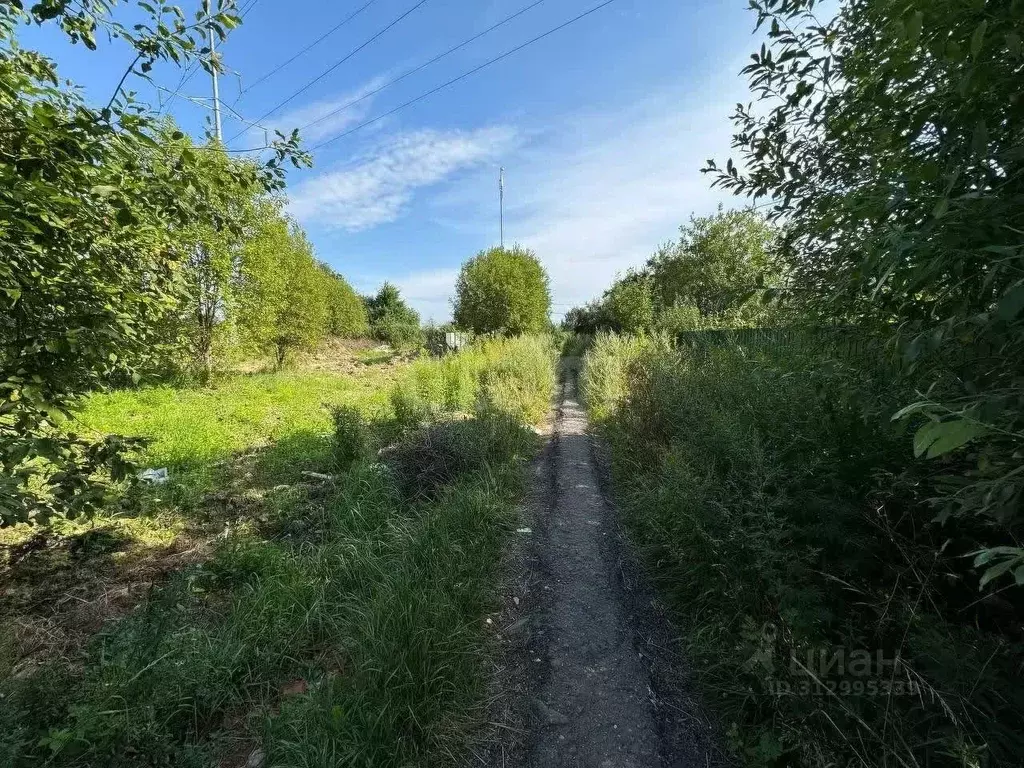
154	476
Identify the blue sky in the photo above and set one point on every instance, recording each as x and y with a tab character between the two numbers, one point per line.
602	128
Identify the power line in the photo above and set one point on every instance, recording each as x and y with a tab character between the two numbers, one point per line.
334	66
196	65
422	66
463	76
316	42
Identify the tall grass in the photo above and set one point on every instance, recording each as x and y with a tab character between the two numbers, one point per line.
603	380
343	626
783	518
514	376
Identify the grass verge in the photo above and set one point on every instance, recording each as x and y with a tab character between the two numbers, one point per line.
342	624
831	620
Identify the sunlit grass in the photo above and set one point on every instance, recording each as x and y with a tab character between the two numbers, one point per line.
192	427
332	620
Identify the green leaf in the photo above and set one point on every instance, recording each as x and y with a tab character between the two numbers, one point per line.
1012	303
103	190
978	38
940	208
937	438
918	407
996	571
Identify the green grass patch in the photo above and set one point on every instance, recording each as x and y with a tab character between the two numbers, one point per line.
333	621
194	427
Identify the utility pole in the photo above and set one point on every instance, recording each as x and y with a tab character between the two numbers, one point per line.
501	206
216	92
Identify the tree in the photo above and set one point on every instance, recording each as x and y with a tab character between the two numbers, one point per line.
89	203
629	305
718	263
587	319
347	311
283	294
889	140
391	319
212	257
302	314
502	290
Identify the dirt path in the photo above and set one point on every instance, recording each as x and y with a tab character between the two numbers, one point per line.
589	678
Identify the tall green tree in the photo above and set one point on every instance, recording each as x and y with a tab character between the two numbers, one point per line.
89	204
347	311
503	290
283	295
628	306
717	264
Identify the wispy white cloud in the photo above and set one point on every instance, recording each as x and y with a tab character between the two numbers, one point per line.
590	215
598	193
377	186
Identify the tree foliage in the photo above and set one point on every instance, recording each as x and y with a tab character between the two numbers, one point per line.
628	306
716	275
718	263
891	142
346	311
90	201
503	290
391	320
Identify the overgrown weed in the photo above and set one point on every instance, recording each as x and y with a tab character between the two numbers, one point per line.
786	523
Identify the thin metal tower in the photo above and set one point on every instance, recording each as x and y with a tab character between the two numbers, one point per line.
216	92
501	206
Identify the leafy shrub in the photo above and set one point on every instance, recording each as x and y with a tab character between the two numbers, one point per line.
893	158
398	331
392	320
351	441
576	344
503	291
782	518
348	317
629	304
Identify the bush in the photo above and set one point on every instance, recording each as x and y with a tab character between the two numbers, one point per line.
435	456
392	320
629	305
783	520
503	291
348	318
399	331
351	441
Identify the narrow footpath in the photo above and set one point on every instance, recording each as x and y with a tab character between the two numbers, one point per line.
589	676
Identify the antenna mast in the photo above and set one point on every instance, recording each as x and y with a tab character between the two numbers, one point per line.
216	92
